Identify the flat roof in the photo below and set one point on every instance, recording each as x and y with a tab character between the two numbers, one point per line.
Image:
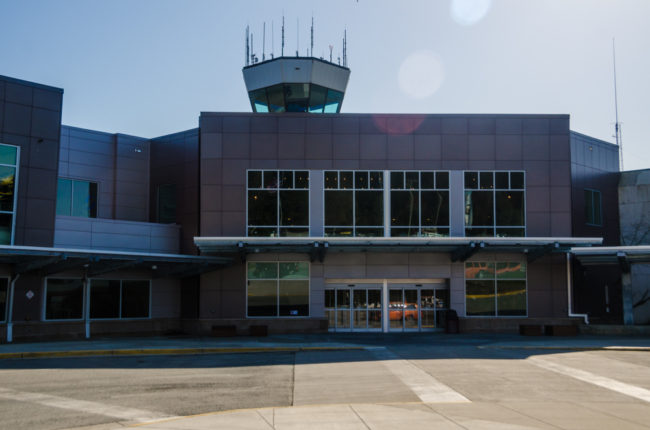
612	254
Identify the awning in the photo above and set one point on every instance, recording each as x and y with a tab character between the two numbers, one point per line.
620	255
460	248
49	261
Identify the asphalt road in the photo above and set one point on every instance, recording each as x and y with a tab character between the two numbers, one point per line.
535	388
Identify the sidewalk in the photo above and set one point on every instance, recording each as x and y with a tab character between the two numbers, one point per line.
204	345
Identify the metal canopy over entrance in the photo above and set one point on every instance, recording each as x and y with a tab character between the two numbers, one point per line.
50	261
460	248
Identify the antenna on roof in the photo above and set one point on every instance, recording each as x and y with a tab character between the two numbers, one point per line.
297	37
617	126
331	47
247	46
272	38
264	42
282	52
345	48
311	51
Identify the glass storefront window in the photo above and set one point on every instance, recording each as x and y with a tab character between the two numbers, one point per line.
9	163
278	289
495	204
64	299
495	289
76	198
278	203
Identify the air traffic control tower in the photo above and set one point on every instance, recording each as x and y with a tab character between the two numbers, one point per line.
295	84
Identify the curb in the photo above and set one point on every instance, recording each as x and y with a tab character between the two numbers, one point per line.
169	351
570	348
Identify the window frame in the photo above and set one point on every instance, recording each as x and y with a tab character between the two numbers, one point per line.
278	226
73	180
86	292
158	188
593	192
277	290
495	280
494	191
90	287
353	189
419	189
16	178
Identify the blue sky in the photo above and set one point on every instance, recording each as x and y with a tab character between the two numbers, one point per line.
148	67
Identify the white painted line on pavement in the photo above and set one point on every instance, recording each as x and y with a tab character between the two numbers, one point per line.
592	378
122	413
425	386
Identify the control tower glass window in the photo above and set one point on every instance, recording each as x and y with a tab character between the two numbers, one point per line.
296	97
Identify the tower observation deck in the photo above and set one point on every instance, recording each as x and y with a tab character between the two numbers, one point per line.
296	84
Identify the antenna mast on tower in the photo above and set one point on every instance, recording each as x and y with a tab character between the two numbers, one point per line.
617	126
282	52
311	51
247	46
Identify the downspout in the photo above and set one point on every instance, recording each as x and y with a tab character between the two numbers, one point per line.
569	287
10	311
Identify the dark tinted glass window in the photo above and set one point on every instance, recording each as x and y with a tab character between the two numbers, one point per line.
369	208
294	298
501	180
254	179
412	180
510	208
259	101
345	180
333	103
301	179
376	180
64	299
471	180
317	98
442	180
167	204
8	154
404	207
479	208
426	180
517	180
6	221
64	197
296	97
286	179
135	299
331	180
270	179
397	180
338	208
593	207
104	299
262	208
479	298
511	298
435	208
487	182
76	198
7	185
275	96
361	180
294	208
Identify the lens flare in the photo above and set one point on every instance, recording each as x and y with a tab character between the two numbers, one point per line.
421	74
469	12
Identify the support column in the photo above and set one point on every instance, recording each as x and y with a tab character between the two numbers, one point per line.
628	303
10	310
87	306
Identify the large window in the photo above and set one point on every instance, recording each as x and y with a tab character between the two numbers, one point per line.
9	161
495	289
64	299
4	286
278	289
278	203
419	203
76	198
354	203
295	97
495	204
593	207
119	299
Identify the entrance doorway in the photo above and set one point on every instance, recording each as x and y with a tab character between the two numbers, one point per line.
395	306
354	307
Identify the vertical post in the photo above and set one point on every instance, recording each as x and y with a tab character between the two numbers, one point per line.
628	305
86	305
10	311
384	309
386	203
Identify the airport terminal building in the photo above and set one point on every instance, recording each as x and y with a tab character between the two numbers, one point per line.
295	217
